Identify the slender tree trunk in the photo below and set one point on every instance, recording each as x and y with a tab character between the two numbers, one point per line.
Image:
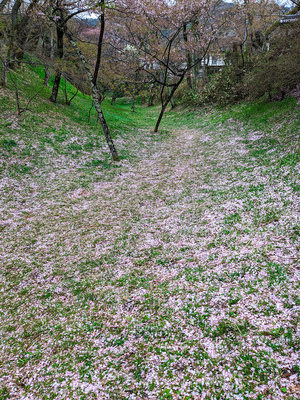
65	91
96	96
55	88
20	29
188	59
4	72
14	13
100	41
161	114
188	77
68	101
242	55
3	52
173	104
60	53
133	103
4	63
195	71
151	99
204	71
47	69
47	75
90	110
113	100
13	33
104	125
165	104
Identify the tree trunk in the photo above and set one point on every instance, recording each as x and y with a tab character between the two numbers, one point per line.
133	104
4	73
161	114
195	71
104	125
204	71
165	104
60	54
14	13
173	104
20	29
188	76
188	59
13	34
47	69
47	76
55	88
96	96
113	100
151	100
100	41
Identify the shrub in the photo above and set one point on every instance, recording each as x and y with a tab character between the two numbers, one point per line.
224	87
277	72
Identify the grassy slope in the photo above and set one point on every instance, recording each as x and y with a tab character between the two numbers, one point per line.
173	275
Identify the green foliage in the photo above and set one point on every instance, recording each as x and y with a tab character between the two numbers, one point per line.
277	72
224	88
4	393
192	97
259	73
227	327
7	144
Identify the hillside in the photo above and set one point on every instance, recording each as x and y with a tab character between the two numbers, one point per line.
173	274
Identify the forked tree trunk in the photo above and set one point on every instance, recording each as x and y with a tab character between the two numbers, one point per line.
96	96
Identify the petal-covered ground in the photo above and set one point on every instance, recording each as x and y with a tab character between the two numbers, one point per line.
172	275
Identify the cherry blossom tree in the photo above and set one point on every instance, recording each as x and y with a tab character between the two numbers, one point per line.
61	14
166	34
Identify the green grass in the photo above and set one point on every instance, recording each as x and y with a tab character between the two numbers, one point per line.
180	262
283	117
51	123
